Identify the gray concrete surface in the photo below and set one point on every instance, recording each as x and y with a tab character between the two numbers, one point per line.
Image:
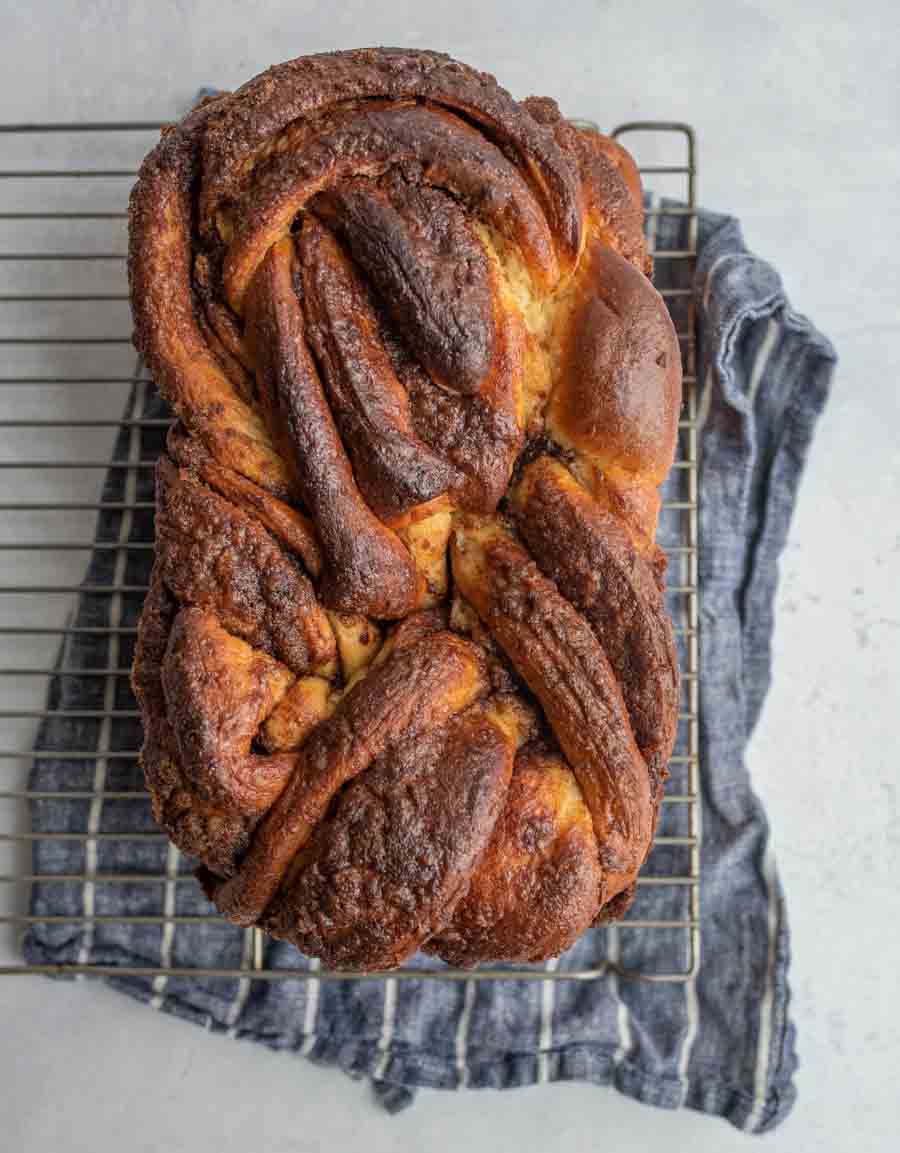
797	108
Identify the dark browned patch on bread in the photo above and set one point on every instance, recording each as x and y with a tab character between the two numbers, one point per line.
593	561
539	884
214	556
367	569
218	691
394	469
270	102
416	688
558	656
429	269
386	868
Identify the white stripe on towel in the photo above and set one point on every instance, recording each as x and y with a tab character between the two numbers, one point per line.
623	1018
692	1013
703	406
548	1004
311	1010
462	1035
764	1040
389	1013
718	263
233	1016
762	359
168	931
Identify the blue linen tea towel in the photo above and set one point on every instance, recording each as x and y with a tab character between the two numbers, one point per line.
720	1042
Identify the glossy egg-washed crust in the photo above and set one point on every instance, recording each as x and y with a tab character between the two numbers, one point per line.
405	671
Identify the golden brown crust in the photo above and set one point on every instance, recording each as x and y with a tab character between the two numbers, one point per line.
429	269
610	182
218	690
387	301
271	102
287	524
587	552
166	329
367	569
418	687
385	870
308	702
368	140
557	655
538	885
214	556
618	394
206	831
395	470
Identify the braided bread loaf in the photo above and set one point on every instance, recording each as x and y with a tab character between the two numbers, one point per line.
405	670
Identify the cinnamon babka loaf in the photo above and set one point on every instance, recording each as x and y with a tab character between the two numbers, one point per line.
405	670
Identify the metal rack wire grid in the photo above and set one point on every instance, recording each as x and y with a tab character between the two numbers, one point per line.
67	372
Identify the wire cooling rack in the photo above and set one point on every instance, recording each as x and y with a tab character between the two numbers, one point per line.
67	370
